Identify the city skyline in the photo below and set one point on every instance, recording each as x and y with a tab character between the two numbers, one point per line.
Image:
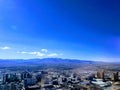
80	29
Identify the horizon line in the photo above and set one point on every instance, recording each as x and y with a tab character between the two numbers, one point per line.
64	59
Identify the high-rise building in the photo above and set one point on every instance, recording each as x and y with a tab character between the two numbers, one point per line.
25	75
115	76
30	81
10	78
100	74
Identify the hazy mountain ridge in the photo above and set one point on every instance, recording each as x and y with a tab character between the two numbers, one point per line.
45	61
56	63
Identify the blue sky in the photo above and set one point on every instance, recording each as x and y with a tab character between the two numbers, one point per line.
79	29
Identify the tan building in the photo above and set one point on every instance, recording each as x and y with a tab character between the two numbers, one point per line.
115	86
100	74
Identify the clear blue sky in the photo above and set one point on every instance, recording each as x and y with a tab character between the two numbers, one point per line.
80	29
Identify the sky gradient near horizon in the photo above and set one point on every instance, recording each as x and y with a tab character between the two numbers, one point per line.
79	29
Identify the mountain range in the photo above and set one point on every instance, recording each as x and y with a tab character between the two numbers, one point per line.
43	62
